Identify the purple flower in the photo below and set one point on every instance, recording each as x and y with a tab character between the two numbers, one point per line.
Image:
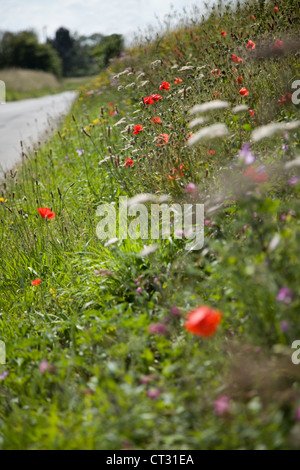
293	180
153	393
147	378
4	375
80	151
222	405
285	147
155	280
139	290
175	312
284	295
191	188
246	154
284	326
158	329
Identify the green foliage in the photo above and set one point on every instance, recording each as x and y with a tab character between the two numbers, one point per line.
109	47
84	370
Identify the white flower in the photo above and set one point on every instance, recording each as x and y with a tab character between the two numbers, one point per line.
270	129
197	122
209	106
209	132
240	109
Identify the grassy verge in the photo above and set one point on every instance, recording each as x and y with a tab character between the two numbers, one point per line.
98	356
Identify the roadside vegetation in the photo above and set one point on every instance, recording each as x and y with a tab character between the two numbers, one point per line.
143	344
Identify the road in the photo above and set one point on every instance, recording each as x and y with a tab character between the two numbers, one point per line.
30	121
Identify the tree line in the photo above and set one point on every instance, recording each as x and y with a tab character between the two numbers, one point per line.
64	55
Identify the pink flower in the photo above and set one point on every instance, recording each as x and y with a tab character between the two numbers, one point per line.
153	393
4	375
44	366
222	405
158	329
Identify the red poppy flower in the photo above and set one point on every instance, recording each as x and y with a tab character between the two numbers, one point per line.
165	86
239	79
156	97
45	212
251	112
216	72
137	129
157	120
237	59
251	45
276	9
148	100
278	44
111	112
178	80
36	282
128	162
285	98
256	174
223	33
111	105
210	152
253	17
203	321
244	92
163	139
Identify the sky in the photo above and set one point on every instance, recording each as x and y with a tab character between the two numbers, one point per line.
85	16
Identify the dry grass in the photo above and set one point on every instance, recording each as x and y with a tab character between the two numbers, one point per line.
21	80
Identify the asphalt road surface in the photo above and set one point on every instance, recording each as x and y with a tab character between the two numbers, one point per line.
30	121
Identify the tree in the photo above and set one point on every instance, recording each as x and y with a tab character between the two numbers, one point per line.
110	46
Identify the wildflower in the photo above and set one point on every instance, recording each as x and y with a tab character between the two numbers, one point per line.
191	188
45	212
147	378
156	120
111	105
208	106
174	311
163	139
253	17
80	151
239	79
156	97
284	325
244	92
250	45
158	329
222	405
298	414
251	112
178	80
4	375
279	45
256	174
36	282
237	59
293	180
112	112
284	295
223	33
139	290
216	72
165	86
210	152
137	129
148	100
276	9
153	393
210	132
128	162
285	98
203	321
246	154
44	366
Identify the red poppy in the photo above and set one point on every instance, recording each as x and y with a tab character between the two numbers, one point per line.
178	80
203	321
45	212
156	97
148	100
251	112
223	33
251	45
285	98
253	17
256	174
111	112
137	129
237	59
278	44
111	105
163	139
210	152
176	173
244	92
36	282
239	79
128	162
276	9
157	120
216	72
165	86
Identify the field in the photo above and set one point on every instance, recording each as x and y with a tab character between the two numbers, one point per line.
24	84
145	344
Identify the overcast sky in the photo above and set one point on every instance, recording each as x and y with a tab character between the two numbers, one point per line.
85	16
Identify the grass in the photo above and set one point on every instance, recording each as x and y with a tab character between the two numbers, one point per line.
98	356
24	84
